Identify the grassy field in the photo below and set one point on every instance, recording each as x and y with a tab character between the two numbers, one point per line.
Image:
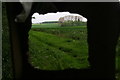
57	48
53	25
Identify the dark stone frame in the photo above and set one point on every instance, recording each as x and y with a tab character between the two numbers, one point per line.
102	40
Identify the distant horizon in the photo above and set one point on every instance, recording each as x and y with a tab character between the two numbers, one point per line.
45	21
39	18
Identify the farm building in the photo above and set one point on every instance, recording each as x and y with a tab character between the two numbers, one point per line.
70	18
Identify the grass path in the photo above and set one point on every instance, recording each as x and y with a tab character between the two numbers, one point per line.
48	53
65	44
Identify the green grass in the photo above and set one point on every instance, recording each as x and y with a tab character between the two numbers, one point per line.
76	32
48	25
45	56
68	44
53	25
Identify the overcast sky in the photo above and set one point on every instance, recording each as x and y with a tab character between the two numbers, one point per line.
52	16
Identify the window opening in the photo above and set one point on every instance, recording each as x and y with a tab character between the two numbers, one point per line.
58	41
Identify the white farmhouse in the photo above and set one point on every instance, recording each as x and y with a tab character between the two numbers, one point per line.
70	18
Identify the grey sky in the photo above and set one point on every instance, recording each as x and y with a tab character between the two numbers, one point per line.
52	16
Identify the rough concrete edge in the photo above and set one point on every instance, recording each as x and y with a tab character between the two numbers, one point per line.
0	40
